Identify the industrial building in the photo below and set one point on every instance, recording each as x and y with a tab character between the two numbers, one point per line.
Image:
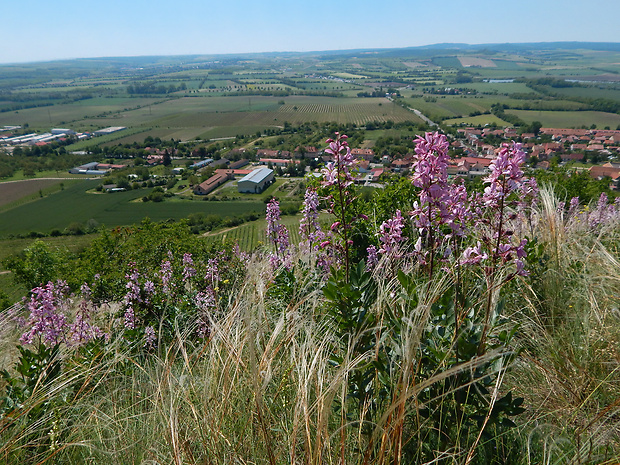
256	182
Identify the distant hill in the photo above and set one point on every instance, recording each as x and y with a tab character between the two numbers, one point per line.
420	51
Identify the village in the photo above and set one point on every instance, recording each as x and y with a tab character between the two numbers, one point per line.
473	149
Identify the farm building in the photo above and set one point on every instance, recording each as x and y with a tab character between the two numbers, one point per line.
202	163
256	181
57	131
212	183
277	162
238	164
110	130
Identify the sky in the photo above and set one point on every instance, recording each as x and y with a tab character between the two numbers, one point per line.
39	30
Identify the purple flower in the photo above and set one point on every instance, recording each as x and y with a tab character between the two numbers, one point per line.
149	287
373	258
440	204
47	320
277	232
338	171
309	228
574	206
165	273
506	174
130	318
188	267
473	255
150	338
391	233
212	271
82	331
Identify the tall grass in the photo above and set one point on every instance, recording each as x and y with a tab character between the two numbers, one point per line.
264	388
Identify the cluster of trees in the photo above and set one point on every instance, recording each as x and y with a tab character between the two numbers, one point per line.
546	85
152	88
30	160
13	101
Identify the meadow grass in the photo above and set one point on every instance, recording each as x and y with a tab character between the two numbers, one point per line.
264	388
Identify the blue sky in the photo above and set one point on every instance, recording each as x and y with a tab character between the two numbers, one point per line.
36	30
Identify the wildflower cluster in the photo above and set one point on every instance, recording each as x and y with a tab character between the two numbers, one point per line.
441	205
337	185
494	211
593	218
338	171
49	310
277	233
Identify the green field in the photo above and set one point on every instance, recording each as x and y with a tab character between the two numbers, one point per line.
84	114
13	194
75	205
476	120
210	117
251	235
569	119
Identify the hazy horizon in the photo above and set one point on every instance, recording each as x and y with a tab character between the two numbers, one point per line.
68	29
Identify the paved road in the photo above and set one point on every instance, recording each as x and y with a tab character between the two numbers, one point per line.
419	114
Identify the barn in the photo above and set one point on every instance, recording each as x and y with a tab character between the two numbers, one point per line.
256	182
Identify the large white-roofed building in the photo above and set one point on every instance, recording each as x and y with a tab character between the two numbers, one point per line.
256	182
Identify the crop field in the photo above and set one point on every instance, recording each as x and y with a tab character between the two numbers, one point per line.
357	111
76	115
210	117
451	106
14	192
477	120
569	119
162	133
590	92
476	62
106	139
251	235
505	88
74	204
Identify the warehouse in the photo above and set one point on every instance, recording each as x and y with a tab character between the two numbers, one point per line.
256	182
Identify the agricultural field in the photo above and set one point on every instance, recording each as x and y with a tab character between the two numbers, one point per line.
569	119
251	235
593	92
481	120
476	62
211	117
75	205
87	114
14	192
356	111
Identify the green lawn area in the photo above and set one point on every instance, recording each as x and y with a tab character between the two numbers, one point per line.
280	188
